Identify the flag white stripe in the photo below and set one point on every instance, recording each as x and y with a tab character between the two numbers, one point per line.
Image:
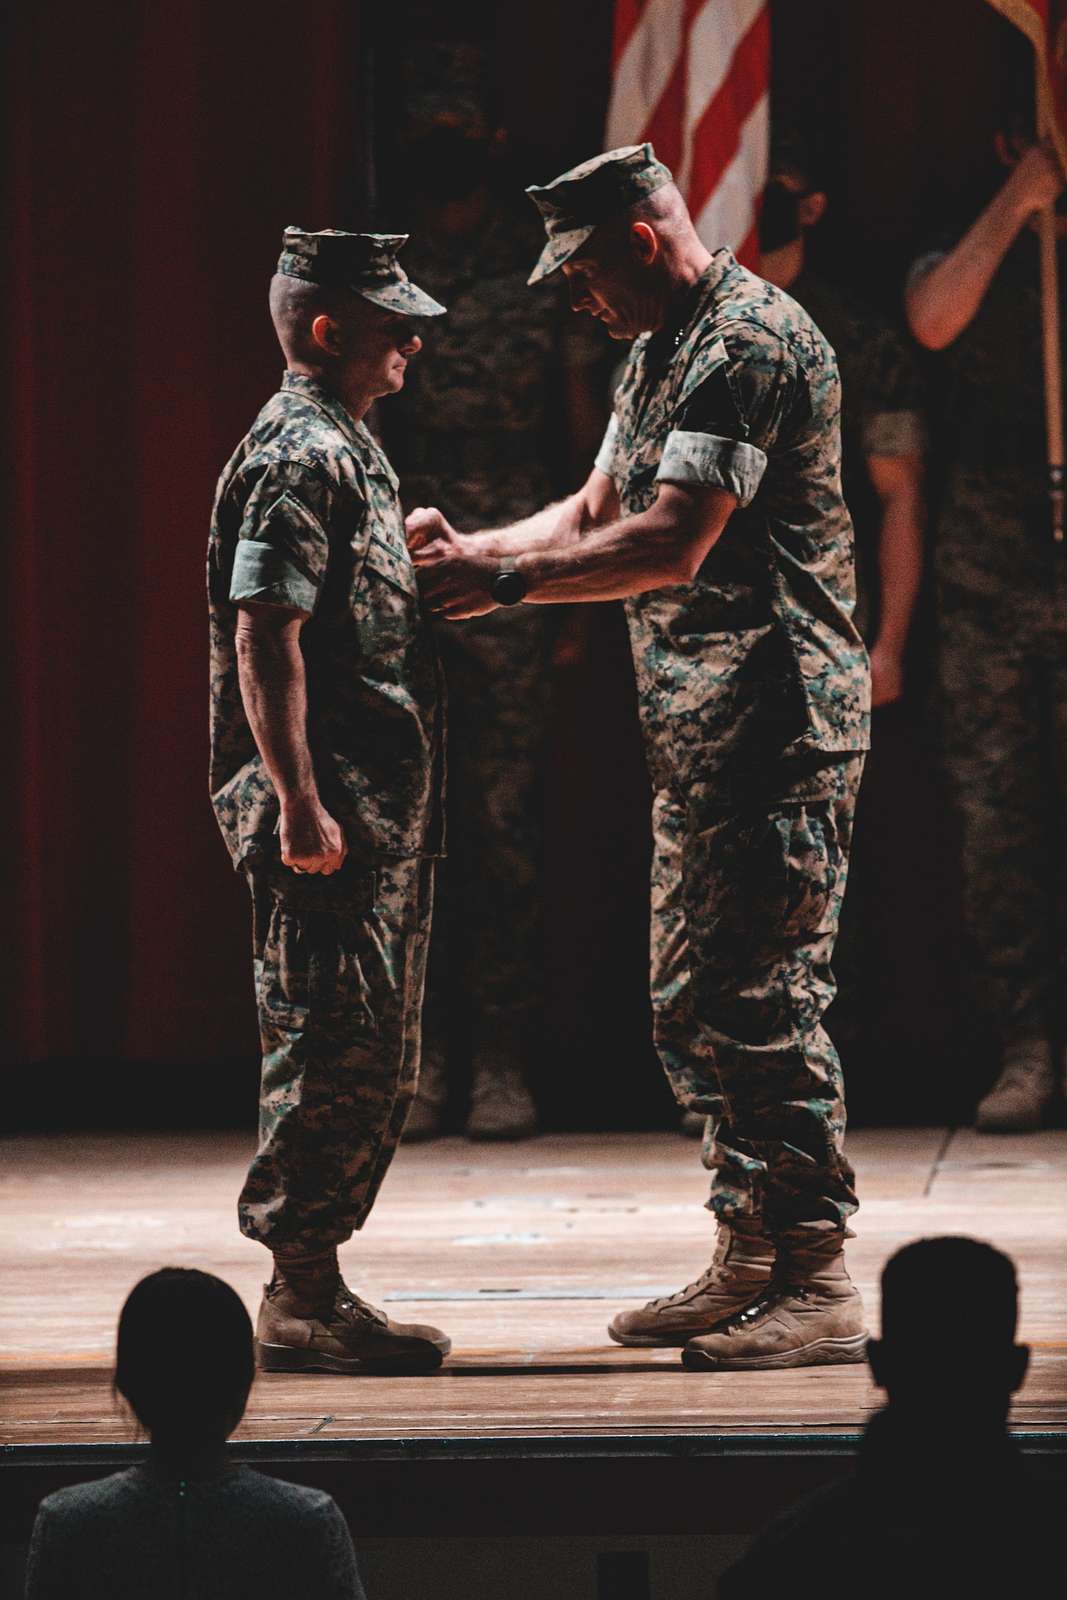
730	211
644	71
717	30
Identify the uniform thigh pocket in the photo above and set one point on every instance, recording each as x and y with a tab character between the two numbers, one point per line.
322	957
757	879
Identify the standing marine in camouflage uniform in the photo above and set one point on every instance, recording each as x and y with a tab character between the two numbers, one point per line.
1002	600
715	511
327	777
883	443
480	430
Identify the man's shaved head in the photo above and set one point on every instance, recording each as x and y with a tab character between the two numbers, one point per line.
358	349
633	265
664	210
294	305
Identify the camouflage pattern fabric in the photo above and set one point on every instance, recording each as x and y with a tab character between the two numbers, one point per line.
754	696
882	414
1004	718
307	515
475	431
746	897
573	204
1002	679
339	966
363	262
758	658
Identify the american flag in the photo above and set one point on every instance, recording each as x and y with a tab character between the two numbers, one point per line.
693	77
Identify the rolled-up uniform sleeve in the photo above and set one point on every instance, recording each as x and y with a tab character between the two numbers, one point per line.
284	546
731	416
714	462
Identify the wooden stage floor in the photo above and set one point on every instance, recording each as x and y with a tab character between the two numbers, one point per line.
522	1253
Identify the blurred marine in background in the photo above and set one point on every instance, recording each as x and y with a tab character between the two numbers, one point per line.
1002	604
488	426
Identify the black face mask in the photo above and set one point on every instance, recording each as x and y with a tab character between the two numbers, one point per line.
779	218
447	165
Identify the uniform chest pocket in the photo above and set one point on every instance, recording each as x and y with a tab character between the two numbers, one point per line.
386	562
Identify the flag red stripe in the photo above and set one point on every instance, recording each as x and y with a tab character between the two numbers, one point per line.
718	133
627	17
665	128
748	251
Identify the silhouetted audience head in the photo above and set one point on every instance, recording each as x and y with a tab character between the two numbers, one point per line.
949	1312
184	1358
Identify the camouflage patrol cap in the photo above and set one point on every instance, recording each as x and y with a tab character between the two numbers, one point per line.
574	204
363	262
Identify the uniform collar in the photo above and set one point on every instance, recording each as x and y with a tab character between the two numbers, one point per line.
318	393
696	296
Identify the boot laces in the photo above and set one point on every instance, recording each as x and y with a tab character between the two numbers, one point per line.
771	1298
710	1275
347	1301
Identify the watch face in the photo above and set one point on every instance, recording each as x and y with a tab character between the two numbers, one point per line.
508	588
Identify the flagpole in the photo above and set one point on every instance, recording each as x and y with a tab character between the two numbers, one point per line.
1050	322
1050	317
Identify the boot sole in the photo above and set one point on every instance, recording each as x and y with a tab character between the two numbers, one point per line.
650	1341
287	1358
820	1353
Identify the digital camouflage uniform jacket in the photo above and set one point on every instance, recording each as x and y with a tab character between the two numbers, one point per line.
757	659
307	515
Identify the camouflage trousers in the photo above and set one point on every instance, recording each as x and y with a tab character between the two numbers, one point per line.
746	893
484	958
339	970
1003	684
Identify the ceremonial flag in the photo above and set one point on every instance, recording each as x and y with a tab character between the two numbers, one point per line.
693	77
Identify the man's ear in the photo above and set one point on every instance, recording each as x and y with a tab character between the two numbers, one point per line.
643	243
812	209
325	333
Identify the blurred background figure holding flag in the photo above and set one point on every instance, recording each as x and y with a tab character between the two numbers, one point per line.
693	77
991	298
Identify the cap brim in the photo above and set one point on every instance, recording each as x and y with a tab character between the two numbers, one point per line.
560	248
403	297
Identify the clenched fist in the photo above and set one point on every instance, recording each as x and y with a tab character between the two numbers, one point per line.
311	840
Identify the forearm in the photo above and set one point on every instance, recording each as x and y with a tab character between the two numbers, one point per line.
555	527
900	565
625	558
947	297
274	694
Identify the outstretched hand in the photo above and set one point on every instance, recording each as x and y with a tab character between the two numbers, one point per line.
453	580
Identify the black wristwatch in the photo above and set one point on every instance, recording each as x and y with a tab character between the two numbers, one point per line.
508	588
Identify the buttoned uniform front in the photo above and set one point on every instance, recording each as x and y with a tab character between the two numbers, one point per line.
754	696
307	517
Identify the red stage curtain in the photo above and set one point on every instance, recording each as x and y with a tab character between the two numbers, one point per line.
158	152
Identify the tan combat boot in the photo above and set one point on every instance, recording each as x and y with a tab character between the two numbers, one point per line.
310	1321
810	1315
427	1114
740	1270
501	1104
1021	1095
